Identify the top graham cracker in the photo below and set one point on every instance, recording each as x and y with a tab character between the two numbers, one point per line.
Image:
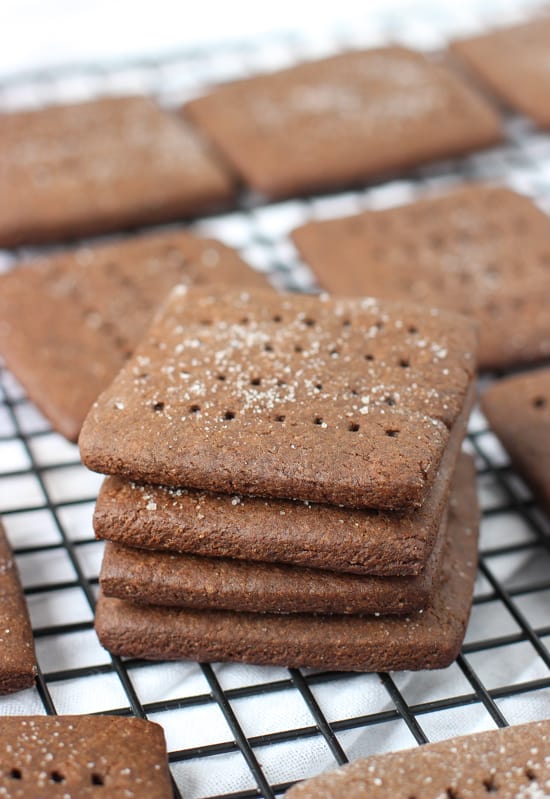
343	119
515	63
75	170
340	401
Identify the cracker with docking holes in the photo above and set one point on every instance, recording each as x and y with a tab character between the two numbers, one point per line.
512	762
83	756
69	321
346	401
480	250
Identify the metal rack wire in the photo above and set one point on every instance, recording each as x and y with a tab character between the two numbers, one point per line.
238	731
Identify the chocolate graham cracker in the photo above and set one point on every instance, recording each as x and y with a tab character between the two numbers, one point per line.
423	640
68	322
512	762
277	530
340	401
518	410
480	250
513	62
76	170
190	581
343	119
17	658
53	757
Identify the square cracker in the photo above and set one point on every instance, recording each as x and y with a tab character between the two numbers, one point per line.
290	396
518	410
278	530
83	756
343	119
511	762
17	658
513	62
73	170
480	250
69	321
426	639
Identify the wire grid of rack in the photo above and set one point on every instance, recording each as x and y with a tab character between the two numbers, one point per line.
243	731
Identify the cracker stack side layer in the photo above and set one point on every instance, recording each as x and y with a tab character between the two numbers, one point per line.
422	640
191	581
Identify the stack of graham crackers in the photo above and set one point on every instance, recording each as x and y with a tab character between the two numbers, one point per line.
285	483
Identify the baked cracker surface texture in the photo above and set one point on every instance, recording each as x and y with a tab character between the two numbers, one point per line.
276	530
513	63
512	763
69	321
339	401
17	657
191	581
65	757
422	640
343	120
68	171
480	250
518	411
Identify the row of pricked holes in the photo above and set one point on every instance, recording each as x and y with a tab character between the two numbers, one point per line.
309	322
257	381
334	352
404	363
159	406
489	784
129	286
353	427
57	777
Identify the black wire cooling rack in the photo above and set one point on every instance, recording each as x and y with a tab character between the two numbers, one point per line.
237	731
